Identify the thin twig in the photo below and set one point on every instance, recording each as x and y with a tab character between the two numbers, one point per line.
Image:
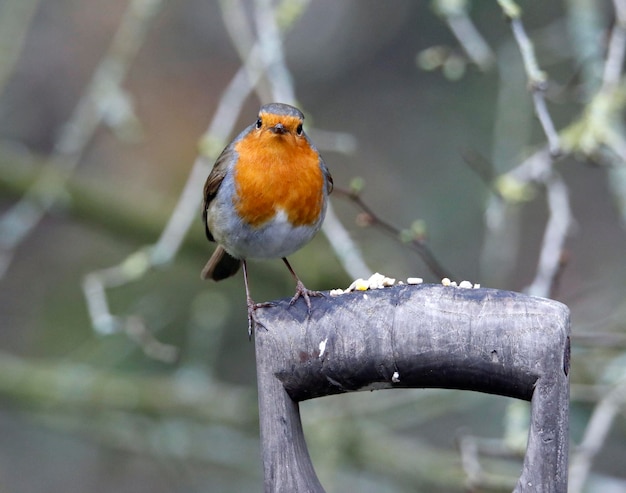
538	169
516	186
417	244
461	25
537	79
550	267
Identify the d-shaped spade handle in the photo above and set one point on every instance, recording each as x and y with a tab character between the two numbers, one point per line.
484	340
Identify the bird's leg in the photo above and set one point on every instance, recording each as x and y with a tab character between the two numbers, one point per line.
301	289
252	306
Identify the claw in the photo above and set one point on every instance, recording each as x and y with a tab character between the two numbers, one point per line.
253	321
302	291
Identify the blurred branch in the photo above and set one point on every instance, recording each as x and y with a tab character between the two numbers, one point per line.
80	387
137	264
212	142
272	53
550	259
455	14
586	25
140	262
105	205
537	79
516	187
598	134
171	442
595	435
15	21
421	465
471	448
282	88
617	49
93	108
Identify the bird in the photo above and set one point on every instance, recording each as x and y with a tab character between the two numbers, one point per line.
265	197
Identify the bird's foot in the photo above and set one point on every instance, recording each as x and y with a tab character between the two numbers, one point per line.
304	292
253	321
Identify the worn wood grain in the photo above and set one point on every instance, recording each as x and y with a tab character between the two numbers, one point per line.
484	340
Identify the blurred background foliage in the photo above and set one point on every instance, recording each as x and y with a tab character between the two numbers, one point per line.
166	401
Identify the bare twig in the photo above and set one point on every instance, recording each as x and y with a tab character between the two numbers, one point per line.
416	243
92	109
513	186
554	237
539	167
537	79
461	25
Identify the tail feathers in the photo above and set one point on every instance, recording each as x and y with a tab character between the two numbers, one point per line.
220	266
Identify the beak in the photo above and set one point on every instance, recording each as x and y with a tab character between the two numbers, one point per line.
279	129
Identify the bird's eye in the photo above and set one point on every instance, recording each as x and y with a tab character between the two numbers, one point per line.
299	129
259	123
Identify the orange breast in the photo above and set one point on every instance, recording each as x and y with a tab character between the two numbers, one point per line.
278	172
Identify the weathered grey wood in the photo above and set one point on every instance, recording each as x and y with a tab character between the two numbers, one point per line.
485	340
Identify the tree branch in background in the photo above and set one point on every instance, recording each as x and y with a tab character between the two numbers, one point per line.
104	100
538	168
185	213
517	186
454	12
616	52
49	385
282	88
15	22
472	449
601	127
414	239
537	79
595	435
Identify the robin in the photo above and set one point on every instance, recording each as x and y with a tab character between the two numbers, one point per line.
265	197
